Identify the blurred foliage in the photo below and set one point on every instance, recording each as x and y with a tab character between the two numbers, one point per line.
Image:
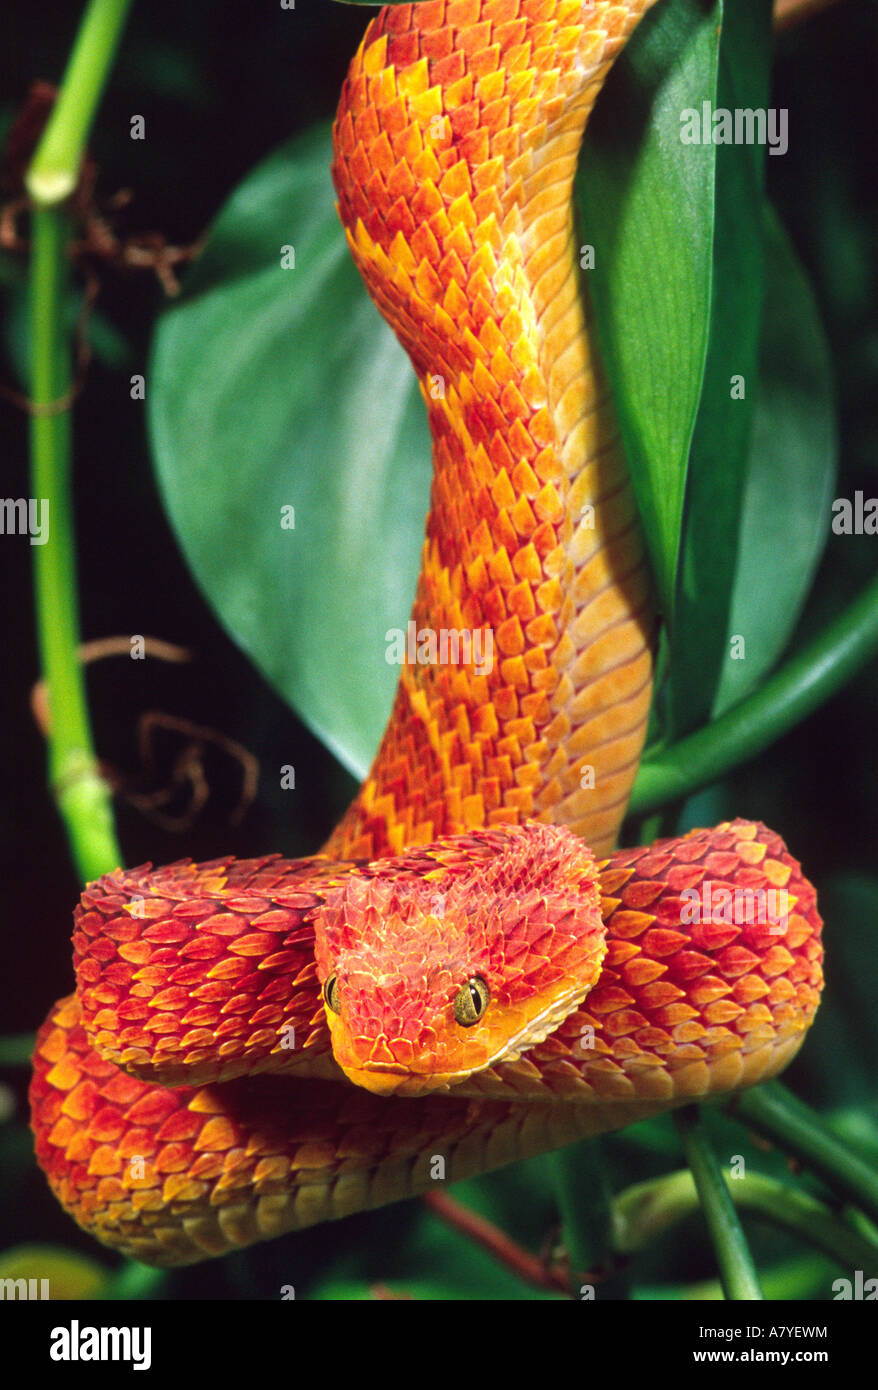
221	91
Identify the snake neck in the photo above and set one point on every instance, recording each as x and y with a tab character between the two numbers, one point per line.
526	665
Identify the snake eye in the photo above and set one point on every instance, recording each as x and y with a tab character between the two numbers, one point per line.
471	1001
330	993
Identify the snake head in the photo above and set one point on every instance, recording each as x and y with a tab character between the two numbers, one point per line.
448	961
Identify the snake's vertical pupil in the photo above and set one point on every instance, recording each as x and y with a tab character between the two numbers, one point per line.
330	993
471	1001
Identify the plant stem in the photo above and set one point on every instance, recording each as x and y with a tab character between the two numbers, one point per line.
522	1263
793	692
775	1112
54	171
736	1269
582	1191
646	1210
82	795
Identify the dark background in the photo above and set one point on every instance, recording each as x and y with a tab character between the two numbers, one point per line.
220	84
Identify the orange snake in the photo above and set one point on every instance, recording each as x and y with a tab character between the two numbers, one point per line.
187	1099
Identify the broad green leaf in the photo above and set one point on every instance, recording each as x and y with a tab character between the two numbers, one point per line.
790	474
275	388
646	204
718	458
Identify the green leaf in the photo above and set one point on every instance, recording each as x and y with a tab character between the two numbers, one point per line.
718	458
277	387
791	471
646	203
70	1275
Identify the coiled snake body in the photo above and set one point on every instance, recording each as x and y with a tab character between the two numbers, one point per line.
493	986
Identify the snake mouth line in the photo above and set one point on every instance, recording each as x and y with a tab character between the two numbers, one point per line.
389	1078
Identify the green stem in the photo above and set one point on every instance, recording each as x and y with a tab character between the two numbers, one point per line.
83	797
54	171
776	1113
645	1211
582	1191
793	692
736	1269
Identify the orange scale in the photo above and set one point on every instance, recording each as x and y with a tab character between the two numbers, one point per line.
203	948
756	1016
63	1132
661	942
658	995
447	69
217	1135
777	961
64	1075
604	999
652	865
153	1107
623	1021
670	1015
172	1158
466	124
123	928
178	1128
494	117
104	1162
723	1045
147	1200
314	1155
136	952
162	1025
463	13
109	1190
81	1102
681	1055
207	1165
270	1170
201	1017
681	877
749	988
637	970
782	990
722	1011
181	1187
484	65
689	1032
458	99
121	1089
79	1149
